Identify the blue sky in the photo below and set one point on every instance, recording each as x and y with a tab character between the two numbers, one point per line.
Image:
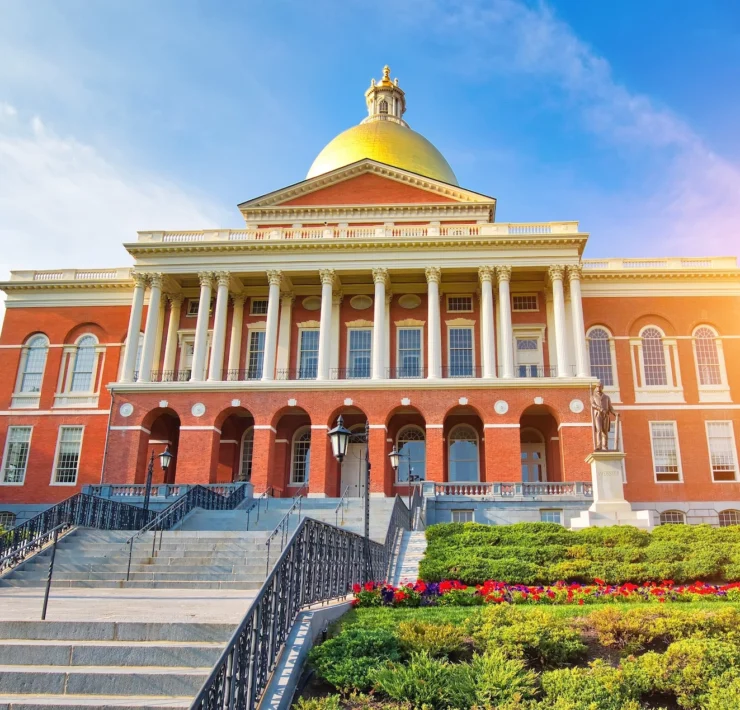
117	116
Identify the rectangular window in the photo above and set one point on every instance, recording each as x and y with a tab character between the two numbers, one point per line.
193	305
83	369
461	352
256	354
258	307
15	459
308	355
666	459
462	516
459	304
524	302
68	454
722	454
359	356
551	516
409	352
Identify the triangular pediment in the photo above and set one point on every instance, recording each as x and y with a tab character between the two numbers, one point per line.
367	182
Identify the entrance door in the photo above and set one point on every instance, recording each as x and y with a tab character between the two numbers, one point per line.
353	470
528	357
534	465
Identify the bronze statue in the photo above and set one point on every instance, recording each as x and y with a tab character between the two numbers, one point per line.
601	411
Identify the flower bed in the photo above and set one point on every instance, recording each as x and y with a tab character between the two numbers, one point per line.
454	593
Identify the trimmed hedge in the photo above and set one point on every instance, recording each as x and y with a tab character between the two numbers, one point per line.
544	553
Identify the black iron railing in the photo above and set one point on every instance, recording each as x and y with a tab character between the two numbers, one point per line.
80	509
400	521
320	562
406	372
461	370
283	527
257	505
252	373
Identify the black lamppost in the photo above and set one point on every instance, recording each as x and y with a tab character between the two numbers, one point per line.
339	437
165	457
395	457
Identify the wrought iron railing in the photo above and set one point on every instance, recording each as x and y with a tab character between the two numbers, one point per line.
80	509
320	562
341	506
417	507
400	521
283	527
257	505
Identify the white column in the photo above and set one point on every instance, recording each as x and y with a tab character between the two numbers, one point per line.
150	330
170	346
134	328
503	275
434	350
556	273
552	356
200	346
271	327
488	344
160	335
583	368
336	304
380	277
286	325
235	342
387	336
327	284
215	368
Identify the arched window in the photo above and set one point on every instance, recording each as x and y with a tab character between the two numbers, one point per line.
411	445
300	464
84	364
672	517
707	356
463	454
600	355
33	362
383	106
533	455
729	517
245	466
653	358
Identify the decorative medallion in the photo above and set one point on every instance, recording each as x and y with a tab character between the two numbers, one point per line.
409	300
462	400
361	303
348	402
539	400
576	406
405	401
501	406
292	402
236	403
312	303
163	403
198	409
126	409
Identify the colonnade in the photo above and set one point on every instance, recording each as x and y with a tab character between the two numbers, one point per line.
278	321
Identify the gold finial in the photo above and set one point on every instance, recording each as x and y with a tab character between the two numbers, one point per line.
386	74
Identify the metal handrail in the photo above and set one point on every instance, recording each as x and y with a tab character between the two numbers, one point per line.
400	520
258	502
342	501
283	526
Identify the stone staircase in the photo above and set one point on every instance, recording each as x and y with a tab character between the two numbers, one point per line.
76	665
406	566
203	558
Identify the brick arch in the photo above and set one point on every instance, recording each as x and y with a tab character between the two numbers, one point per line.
82	328
640	322
409	409
351	413
544	419
232	422
224	414
464	415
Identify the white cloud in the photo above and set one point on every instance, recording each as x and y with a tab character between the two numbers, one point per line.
63	204
695	203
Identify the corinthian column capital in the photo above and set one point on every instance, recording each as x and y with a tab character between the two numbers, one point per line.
327	277
503	273
175	299
205	278
433	274
274	277
139	278
556	272
380	275
485	273
155	279
222	278
575	272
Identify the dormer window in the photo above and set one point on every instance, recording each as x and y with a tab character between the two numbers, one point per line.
383	106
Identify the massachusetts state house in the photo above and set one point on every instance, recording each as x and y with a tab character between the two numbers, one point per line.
378	289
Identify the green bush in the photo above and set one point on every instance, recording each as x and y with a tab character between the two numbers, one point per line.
499	680
724	693
330	702
347	660
438	640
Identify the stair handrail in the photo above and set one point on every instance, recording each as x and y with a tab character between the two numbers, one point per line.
417	504
283	527
266	495
80	509
400	520
342	501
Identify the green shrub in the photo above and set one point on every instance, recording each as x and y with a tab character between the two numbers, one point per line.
330	702
612	536
346	660
724	693
438	640
499	680
535	636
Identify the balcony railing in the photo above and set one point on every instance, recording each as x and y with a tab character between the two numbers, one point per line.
509	491
460	370
251	373
407	372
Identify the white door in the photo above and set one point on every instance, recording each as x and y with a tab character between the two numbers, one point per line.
353	470
528	357
534	464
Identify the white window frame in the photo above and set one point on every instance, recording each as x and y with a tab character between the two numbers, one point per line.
401	431
255	328
545	511
730	423
727	510
241	476
612	390
450	442
712	393
678	450
347	358
529	332
187	337
253	300
672	391
457	511
534	295
298	433
28	400
298	355
448	296
6	451
193	305
399	366
65	397
467	325
57	451
671	510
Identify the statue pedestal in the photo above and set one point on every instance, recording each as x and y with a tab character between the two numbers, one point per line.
609	506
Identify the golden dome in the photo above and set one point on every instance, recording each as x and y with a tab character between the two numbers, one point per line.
384	136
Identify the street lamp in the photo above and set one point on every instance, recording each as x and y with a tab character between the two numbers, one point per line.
165	458
339	437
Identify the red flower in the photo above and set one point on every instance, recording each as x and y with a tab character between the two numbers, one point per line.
580	602
369	586
600	582
356	588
